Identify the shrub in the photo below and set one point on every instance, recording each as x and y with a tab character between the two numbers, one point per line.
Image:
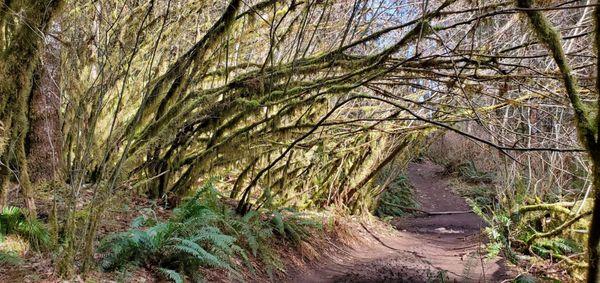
469	173
13	221
395	198
203	232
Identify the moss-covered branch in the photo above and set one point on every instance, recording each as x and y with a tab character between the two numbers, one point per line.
548	35
558	229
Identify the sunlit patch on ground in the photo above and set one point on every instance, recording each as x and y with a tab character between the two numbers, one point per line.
15	245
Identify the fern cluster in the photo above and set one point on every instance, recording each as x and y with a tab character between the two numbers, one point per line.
498	230
9	259
13	221
397	196
203	232
292	226
469	173
548	248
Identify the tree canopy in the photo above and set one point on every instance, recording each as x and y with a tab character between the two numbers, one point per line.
287	103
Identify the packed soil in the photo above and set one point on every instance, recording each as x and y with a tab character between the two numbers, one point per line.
423	248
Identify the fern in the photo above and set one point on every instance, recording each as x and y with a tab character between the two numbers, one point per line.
9	258
203	232
293	225
35	232
13	221
399	194
253	231
186	242
200	253
278	223
171	274
558	246
10	218
498	230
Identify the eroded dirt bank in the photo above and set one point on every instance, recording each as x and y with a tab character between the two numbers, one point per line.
422	249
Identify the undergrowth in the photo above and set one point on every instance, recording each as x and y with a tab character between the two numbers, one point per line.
397	200
482	195
510	232
498	228
14	221
9	259
468	172
203	232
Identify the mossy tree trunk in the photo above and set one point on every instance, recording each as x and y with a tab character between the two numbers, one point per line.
594	233
44	139
587	128
17	64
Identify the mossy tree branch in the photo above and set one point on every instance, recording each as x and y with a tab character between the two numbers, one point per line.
587	129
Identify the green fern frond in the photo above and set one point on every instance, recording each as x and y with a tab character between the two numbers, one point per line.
9	258
199	253
278	223
138	222
171	274
35	232
13	221
213	236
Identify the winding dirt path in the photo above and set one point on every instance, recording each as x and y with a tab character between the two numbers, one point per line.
423	249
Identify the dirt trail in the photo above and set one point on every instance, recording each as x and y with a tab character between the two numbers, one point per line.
424	249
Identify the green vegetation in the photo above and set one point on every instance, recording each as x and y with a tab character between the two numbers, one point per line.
469	173
523	227
8	259
482	195
545	231
397	199
14	221
203	232
295	107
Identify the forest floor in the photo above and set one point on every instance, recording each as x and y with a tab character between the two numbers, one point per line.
435	248
431	248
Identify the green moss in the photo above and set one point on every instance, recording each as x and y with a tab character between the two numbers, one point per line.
249	103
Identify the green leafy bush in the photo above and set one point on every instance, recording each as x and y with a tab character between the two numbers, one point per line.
396	198
13	221
203	232
469	173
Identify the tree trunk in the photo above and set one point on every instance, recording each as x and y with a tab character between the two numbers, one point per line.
44	140
594	147
17	65
594	235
